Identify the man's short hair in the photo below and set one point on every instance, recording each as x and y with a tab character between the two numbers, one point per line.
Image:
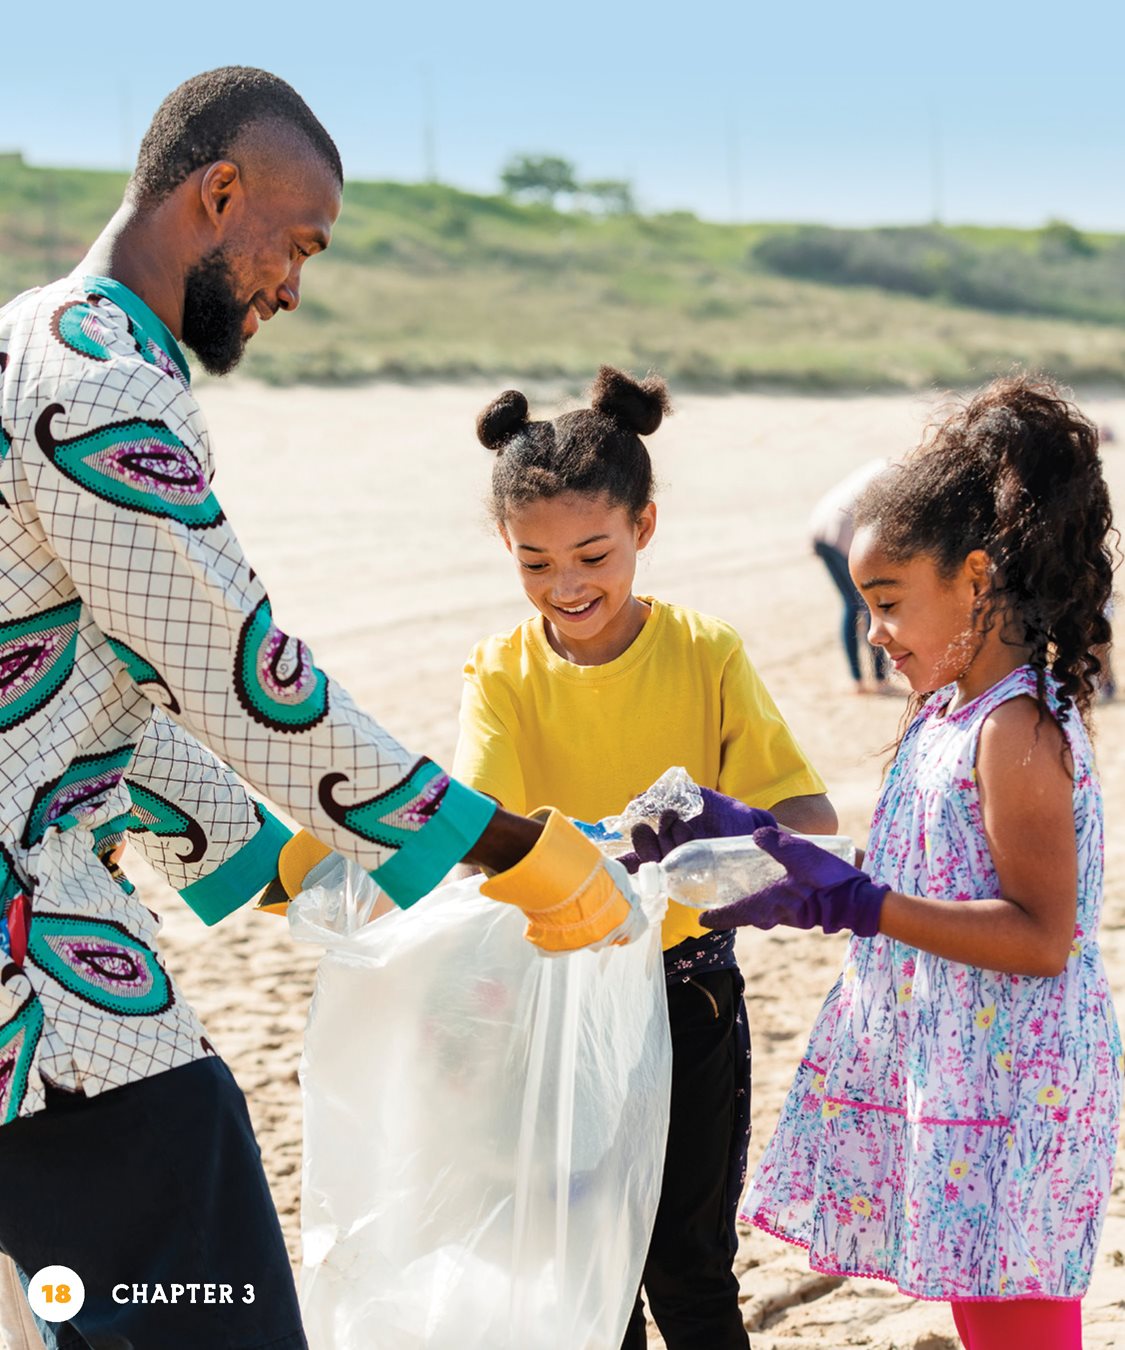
199	122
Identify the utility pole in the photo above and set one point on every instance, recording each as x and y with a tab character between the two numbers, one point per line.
429	147
734	170
51	265
937	166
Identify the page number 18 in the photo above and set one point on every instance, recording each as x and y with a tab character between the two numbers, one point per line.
56	1293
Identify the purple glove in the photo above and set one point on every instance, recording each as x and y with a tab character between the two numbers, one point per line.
820	889
720	818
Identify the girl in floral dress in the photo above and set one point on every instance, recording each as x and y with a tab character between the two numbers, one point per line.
953	1123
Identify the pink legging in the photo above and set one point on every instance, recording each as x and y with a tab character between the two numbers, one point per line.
1029	1323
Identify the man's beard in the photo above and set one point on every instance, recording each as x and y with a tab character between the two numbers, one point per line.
213	314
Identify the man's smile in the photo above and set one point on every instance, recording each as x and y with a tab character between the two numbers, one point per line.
258	312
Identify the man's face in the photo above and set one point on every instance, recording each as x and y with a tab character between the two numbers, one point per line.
276	222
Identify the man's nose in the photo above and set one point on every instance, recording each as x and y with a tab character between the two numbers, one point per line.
289	292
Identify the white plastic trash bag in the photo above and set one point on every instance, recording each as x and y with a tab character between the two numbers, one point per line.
484	1128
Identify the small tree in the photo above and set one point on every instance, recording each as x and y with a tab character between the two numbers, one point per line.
613	196
542	177
1058	238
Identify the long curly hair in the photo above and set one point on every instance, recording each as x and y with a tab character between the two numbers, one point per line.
1014	471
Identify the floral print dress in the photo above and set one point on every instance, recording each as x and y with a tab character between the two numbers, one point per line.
953	1129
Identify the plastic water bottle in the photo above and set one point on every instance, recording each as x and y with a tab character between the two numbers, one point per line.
704	873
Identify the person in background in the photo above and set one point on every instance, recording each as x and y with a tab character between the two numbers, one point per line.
831	527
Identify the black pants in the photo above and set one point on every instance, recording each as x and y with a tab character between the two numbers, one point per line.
687	1277
855	612
155	1184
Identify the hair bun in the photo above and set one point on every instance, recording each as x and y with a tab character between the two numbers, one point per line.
636	405
504	418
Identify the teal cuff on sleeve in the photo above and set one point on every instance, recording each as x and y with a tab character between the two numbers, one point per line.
416	868
113	831
242	876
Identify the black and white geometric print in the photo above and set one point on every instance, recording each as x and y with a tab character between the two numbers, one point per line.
190	813
124	586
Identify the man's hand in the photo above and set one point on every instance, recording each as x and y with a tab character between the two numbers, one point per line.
303	862
573	896
819	889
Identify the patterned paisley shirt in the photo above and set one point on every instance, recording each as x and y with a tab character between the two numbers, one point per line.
133	634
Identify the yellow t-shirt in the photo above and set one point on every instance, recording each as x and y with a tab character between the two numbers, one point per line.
538	730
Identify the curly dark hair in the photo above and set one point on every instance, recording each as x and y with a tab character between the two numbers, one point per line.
1015	472
591	450
201	119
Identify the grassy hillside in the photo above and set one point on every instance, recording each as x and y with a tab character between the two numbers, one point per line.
425	281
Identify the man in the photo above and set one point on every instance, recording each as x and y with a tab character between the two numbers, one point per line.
133	633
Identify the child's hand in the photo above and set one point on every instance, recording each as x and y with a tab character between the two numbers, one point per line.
721	818
819	889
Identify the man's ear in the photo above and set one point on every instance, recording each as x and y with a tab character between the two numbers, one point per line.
221	191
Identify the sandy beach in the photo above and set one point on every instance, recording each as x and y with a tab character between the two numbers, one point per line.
362	509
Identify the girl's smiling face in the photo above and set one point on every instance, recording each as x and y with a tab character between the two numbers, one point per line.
926	623
577	557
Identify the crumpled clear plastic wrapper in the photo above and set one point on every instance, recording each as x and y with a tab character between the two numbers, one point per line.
484	1128
674	790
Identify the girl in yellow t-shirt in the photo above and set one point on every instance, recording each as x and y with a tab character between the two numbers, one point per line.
586	704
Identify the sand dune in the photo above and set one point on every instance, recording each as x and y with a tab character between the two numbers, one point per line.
362	510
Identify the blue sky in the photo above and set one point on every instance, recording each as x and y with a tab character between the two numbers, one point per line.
852	114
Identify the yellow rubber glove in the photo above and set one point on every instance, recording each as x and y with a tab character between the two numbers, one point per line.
572	894
295	862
